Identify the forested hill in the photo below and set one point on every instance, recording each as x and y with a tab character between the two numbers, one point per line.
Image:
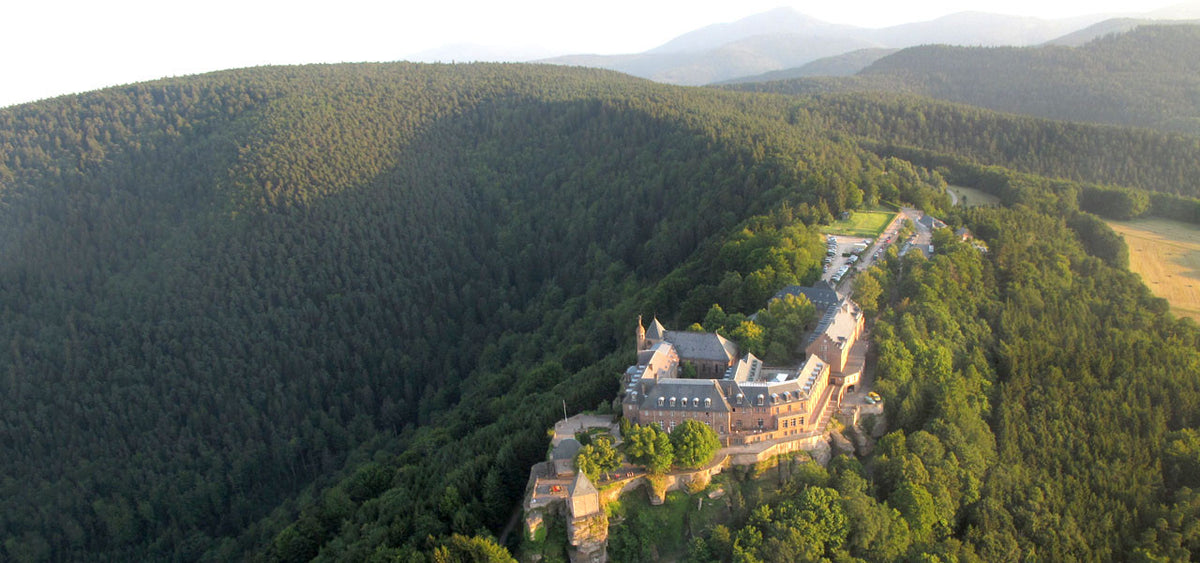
1146	77
1104	154
219	293
288	313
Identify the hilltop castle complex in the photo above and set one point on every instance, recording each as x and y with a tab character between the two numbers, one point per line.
743	400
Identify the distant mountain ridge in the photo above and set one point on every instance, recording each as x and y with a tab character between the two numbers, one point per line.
1147	77
784	38
1106	27
845	64
777	21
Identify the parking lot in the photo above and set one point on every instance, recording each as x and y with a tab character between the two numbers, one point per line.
849	252
840	249
843	244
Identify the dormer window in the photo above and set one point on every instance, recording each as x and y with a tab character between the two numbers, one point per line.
672	402
660	401
695	401
761	399
707	402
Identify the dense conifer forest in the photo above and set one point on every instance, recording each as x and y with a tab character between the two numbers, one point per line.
1082	152
329	311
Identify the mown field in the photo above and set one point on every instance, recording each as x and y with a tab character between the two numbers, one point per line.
1167	256
862	224
971	197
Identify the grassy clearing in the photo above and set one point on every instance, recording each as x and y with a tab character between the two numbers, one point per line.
1167	256
862	224
971	197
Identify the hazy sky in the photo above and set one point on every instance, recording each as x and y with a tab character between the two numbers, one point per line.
53	47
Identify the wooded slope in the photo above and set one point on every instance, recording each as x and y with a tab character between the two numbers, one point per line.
213	289
1147	77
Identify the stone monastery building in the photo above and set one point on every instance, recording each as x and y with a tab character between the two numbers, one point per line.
743	400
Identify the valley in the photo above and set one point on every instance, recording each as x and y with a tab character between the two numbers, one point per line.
327	312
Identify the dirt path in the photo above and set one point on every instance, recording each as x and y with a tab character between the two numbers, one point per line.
512	523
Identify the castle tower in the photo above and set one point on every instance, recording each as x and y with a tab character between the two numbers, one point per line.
640	335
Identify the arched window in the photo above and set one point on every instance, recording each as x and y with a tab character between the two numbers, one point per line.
707	402
660	401
672	401
761	399
695	401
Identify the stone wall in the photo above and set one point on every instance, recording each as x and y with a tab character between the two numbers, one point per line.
751	458
590	535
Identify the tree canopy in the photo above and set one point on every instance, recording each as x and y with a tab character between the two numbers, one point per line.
650	447
695	443
329	310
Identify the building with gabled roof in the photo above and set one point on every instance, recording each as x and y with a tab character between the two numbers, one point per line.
836	333
582	497
750	403
710	353
587	525
821	296
659	362
747	401
563	456
930	222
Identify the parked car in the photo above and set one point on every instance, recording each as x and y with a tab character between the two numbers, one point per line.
875	398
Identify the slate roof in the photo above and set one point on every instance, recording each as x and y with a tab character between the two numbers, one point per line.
823	296
686	392
774	393
837	321
657	354
845	321
930	222
653	364
744	369
581	486
656	330
567	449
707	346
